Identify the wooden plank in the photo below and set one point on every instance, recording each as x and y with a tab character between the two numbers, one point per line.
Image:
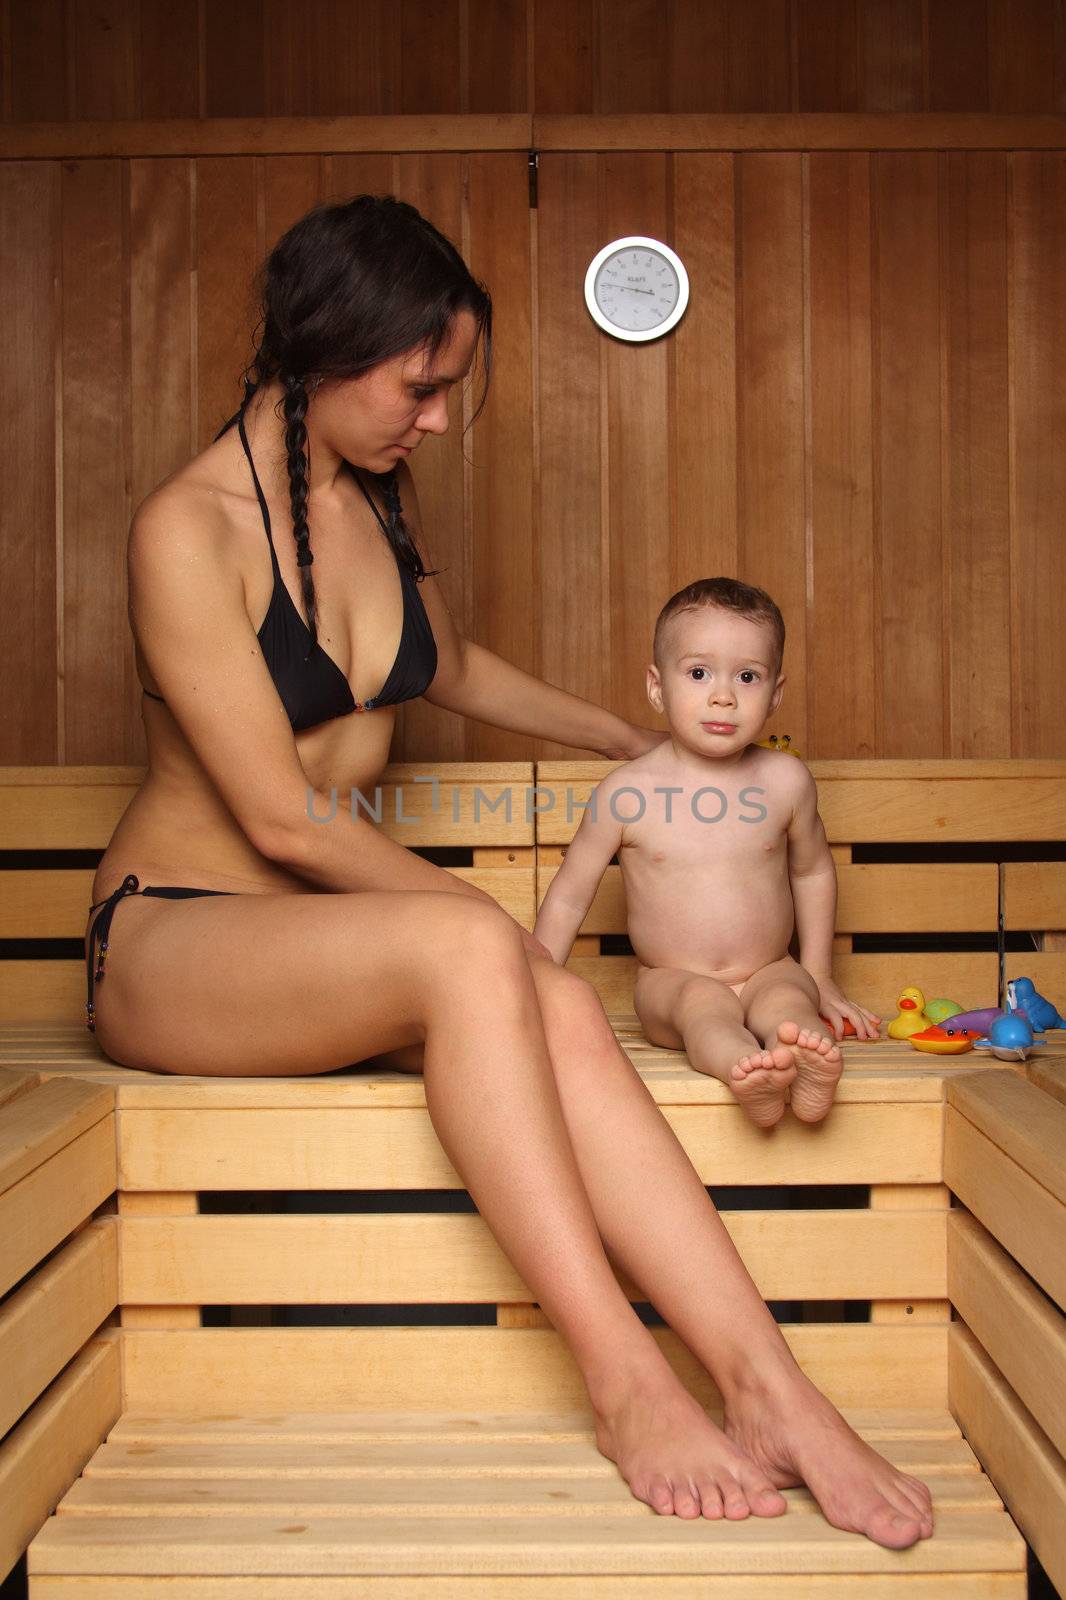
781	1586
227	252
809	131
985	1542
46	1322
976	449
880	897
29	265
1015	1324
572	611
14	1083
503	569
1038	397
42	990
1047	968
1022	55
497	1369
101	706
169	76
46	1120
102	47
41	1458
397	1148
1021	1461
827	55
39	1212
1019	1121
39	76
499	37
44	903
160	312
331	60
841	452
906	432
233	52
1034	894
1049	1075
635	451
273	1260
1019	1213
62	816
771	536
704	375
891	61
1022	771
957	55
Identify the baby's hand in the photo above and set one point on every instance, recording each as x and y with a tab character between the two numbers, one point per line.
835	1007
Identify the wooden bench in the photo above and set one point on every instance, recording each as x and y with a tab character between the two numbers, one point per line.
193	1450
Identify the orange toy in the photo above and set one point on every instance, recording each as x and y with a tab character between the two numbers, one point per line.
938	1041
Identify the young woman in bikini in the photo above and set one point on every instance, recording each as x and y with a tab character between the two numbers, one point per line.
246	939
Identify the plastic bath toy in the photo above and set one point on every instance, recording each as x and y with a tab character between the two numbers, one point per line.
977	1022
781	743
850	1031
1010	1038
911	1017
1022	997
941	1010
938	1041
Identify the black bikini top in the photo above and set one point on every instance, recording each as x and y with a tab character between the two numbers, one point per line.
312	687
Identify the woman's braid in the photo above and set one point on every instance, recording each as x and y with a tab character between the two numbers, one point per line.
295	410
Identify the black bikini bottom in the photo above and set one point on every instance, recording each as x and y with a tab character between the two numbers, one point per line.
101	928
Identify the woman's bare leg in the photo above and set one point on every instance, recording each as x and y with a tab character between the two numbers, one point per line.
309	983
659	1224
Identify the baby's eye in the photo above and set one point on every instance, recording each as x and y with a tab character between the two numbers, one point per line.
697	673
748	676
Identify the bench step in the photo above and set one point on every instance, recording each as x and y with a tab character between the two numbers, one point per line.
467	1507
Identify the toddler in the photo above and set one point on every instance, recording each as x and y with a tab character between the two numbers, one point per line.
723	856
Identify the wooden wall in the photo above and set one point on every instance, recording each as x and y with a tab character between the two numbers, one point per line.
864	410
106	59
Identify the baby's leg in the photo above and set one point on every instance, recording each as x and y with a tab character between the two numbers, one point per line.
687	1011
781	1008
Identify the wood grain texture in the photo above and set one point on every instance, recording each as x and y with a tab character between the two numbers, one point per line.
225	263
40	62
1024	63
705	371
770	401
958	55
497	44
161	327
572	612
331	59
844	716
1038	398
975	454
234	55
501	443
29	324
168	75
891	55
103	43
637	442
827	53
907	439
431	57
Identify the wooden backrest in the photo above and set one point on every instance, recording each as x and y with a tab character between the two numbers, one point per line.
907	907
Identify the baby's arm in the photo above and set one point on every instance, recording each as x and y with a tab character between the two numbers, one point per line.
814	894
571	891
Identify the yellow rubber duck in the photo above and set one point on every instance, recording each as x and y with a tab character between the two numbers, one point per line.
911	1018
782	743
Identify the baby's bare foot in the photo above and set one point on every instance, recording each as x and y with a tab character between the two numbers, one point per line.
674	1459
818	1067
760	1081
800	1437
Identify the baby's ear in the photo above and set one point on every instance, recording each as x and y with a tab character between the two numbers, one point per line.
654	687
779	690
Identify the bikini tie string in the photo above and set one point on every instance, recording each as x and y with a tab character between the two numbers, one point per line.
98	941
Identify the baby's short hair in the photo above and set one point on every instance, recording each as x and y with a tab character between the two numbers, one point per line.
728	595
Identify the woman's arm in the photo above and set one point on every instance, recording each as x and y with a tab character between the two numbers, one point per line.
477	683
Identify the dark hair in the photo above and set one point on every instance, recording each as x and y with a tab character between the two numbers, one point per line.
347	287
728	595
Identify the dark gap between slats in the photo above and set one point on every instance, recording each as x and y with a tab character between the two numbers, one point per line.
785	1312
373	1202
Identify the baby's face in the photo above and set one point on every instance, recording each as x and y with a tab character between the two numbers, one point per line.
718	681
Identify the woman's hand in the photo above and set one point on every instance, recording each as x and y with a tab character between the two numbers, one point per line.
835	1007
637	741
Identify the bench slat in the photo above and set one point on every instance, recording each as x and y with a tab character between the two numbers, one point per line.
398	1149
413	1259
52	1200
495	1369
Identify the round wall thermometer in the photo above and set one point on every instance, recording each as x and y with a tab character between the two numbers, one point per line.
636	288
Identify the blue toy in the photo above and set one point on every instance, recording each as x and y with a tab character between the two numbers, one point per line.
1022	996
1010	1038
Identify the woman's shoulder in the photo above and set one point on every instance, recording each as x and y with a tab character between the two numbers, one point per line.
195	507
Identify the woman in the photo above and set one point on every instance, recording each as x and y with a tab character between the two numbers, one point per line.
264	943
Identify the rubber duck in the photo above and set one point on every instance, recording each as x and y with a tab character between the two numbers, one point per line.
911	1018
781	743
941	1010
1022	996
938	1041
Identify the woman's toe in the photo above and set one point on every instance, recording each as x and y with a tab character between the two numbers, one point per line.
686	1501
661	1497
710	1499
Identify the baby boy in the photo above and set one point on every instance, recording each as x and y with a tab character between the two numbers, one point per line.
723	856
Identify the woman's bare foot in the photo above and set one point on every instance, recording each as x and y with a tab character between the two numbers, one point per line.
760	1082
797	1436
674	1459
819	1064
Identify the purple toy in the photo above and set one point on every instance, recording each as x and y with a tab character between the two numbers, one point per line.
979	1020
